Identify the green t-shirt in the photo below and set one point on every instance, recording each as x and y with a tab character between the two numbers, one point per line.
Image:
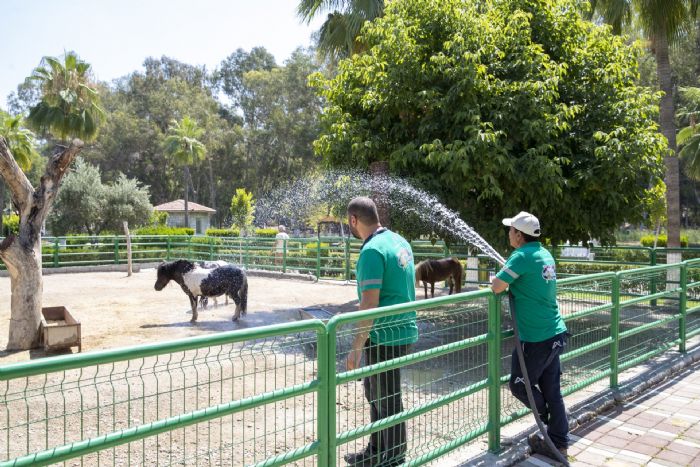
386	263
530	271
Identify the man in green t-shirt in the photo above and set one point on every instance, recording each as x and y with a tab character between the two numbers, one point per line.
531	275
385	276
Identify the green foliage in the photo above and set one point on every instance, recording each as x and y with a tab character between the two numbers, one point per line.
655	205
182	143
267	233
648	240
20	141
158	218
10	225
223	232
242	209
69	104
164	230
85	204
497	107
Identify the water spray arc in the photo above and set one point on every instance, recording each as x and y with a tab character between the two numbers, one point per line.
296	201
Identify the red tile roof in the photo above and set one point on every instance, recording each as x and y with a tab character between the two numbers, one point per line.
179	206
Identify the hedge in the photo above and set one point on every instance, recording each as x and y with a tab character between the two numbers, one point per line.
223	232
648	240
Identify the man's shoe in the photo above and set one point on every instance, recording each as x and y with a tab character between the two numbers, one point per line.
539	446
366	458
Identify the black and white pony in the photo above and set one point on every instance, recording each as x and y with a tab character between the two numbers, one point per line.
204	301
196	282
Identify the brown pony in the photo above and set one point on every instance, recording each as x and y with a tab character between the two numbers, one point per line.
434	270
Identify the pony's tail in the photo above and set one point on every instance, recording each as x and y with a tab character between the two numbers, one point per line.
244	295
458	278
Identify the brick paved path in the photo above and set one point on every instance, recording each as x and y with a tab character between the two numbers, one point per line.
659	428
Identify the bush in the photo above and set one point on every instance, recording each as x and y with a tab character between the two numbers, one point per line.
271	232
164	230
10	224
648	240
223	232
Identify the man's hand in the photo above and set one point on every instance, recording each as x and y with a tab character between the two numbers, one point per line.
354	358
498	285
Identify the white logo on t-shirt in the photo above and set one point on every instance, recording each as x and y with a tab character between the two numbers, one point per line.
548	272
404	258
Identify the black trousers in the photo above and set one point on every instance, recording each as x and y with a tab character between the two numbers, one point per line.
544	370
383	392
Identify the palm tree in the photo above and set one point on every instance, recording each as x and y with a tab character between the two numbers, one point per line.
183	146
69	106
21	143
338	34
662	21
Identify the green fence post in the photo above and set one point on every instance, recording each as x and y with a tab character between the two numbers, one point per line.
682	328
615	330
189	247
211	248
318	259
494	373
55	252
284	256
652	281
245	252
347	259
324	402
168	248
116	250
331	390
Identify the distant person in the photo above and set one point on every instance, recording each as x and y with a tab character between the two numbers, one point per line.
531	275
385	276
280	244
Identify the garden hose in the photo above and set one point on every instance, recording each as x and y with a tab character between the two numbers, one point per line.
528	387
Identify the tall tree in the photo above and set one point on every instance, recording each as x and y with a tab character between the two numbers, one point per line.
230	74
339	34
663	22
68	107
70	103
494	106
183	145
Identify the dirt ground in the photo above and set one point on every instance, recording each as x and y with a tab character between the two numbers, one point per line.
117	311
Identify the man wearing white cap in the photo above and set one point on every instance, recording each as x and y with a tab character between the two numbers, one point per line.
531	275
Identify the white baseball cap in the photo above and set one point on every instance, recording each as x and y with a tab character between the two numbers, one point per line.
524	222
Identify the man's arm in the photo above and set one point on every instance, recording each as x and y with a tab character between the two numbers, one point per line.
370	299
498	285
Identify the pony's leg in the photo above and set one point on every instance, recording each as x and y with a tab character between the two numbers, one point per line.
193	304
452	284
432	290
425	290
237	301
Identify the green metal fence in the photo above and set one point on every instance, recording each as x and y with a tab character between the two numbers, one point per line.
280	394
329	257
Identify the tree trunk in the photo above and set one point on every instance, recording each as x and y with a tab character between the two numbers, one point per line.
187	190
668	129
2	204
26	285
212	188
21	253
378	170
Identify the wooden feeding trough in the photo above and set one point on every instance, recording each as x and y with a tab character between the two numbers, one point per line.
59	330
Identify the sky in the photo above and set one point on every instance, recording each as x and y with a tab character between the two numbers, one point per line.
116	36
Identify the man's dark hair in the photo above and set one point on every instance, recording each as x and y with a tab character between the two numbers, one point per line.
364	209
529	238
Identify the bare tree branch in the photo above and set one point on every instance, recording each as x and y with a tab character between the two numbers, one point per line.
18	183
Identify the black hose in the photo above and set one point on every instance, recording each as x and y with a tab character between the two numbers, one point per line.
528	387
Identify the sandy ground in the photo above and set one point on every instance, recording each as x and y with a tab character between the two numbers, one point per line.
117	311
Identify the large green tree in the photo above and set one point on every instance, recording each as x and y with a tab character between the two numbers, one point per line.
663	23
183	145
339	35
499	107
70	103
86	205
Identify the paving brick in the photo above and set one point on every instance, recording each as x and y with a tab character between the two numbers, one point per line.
683	449
676	457
641	446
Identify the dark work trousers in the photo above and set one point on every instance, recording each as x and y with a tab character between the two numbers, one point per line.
383	392
544	370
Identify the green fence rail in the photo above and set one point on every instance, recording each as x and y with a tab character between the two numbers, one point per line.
330	257
280	394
